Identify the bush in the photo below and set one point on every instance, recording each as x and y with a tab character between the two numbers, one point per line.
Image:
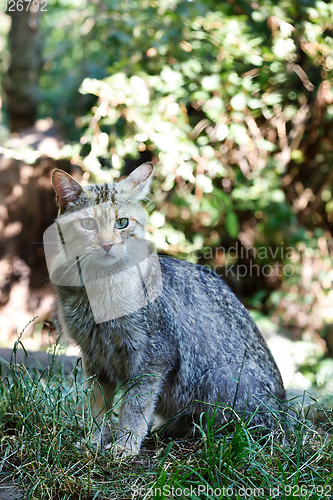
233	103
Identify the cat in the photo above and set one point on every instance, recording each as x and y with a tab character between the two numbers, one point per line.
190	346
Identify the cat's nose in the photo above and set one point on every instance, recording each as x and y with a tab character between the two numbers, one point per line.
106	245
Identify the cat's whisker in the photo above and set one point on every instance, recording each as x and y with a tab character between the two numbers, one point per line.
84	263
43	242
68	269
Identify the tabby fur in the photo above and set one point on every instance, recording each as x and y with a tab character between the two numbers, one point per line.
194	346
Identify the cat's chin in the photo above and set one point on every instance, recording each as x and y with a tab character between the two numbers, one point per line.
107	260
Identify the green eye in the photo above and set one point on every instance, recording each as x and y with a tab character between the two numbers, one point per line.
88	223
122	223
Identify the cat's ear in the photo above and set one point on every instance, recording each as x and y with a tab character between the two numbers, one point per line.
137	184
66	188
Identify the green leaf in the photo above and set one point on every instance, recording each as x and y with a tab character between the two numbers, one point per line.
265	145
222	131
211	82
232	224
238	102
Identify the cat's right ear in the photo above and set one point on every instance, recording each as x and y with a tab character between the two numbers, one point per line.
137	184
66	188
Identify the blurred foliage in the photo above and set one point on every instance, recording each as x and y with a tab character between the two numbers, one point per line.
233	103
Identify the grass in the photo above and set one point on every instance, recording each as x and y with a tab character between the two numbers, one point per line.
45	424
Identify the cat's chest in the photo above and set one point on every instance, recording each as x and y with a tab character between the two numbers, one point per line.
116	348
114	351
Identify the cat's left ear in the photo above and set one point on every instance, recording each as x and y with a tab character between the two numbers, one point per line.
138	183
66	188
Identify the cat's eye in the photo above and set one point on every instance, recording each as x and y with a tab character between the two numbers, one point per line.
122	223
88	223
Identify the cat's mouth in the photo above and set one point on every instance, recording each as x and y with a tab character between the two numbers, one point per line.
107	258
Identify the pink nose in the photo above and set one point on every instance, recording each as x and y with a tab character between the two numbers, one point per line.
106	245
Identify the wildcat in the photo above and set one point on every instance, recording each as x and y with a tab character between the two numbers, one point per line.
192	345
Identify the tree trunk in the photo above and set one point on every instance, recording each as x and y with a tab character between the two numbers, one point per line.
22	78
27	209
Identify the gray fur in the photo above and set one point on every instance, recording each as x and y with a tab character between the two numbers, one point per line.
195	342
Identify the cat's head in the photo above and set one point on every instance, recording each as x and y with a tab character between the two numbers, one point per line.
98	221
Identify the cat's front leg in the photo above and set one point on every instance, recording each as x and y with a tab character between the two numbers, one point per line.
101	401
136	414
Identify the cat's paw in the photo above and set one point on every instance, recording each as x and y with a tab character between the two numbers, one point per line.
101	436
127	444
120	451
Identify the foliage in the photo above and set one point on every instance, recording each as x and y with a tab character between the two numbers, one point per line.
232	101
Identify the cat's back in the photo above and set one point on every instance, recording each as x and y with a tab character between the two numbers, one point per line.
209	317
197	290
